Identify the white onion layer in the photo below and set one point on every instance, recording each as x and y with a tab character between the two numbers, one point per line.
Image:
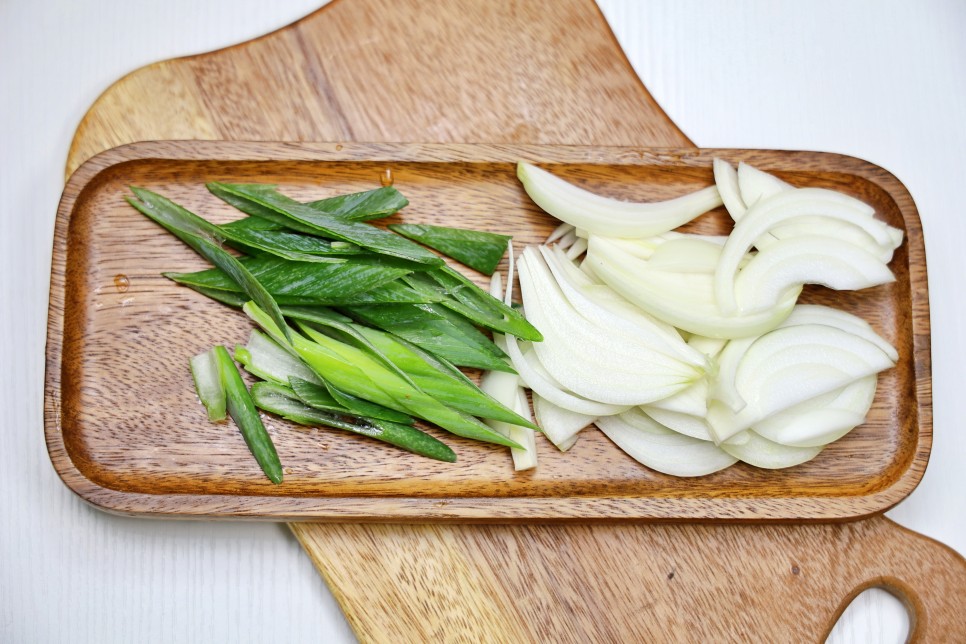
603	215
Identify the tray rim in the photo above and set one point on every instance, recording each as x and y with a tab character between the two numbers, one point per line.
481	509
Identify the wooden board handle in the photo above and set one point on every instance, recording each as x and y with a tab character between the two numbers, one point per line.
927	576
630	582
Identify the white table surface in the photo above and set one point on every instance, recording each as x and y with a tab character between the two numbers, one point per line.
885	81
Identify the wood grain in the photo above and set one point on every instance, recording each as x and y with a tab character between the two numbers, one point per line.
658	583
384	70
165	101
126	430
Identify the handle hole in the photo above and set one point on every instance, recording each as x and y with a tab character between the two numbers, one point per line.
875	615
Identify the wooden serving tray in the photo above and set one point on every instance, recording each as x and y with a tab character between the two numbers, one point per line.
126	432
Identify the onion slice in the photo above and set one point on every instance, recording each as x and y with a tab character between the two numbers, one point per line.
602	215
761	452
607	369
778	209
823	419
726	179
663	450
685	300
791	365
756	185
559	425
806	259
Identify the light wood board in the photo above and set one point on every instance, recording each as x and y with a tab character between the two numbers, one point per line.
501	72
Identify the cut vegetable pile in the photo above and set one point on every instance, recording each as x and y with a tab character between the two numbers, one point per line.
691	352
360	328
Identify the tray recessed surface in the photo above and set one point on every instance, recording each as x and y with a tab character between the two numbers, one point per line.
126	432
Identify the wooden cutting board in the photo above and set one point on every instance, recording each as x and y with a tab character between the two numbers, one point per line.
515	72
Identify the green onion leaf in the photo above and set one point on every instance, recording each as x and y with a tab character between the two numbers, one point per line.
203	237
365	408
308	219
294	246
243	412
436	329
362	206
294	282
353	371
477	249
327	398
473	303
211	391
272	399
458	393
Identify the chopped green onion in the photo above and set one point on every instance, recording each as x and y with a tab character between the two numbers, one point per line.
211	391
354	372
308	219
269	360
202	236
243	412
328	395
271	399
297	281
477	249
436	329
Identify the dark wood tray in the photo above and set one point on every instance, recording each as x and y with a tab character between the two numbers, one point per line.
125	430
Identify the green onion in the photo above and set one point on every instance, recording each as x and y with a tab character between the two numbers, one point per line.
293	213
477	249
243	412
328	398
272	399
458	393
204	238
211	391
297	281
343	325
362	206
354	372
265	358
473	303
437	330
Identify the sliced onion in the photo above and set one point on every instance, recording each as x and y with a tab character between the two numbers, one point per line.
605	216
663	450
604	308
761	452
723	387
685	300
690	254
559	425
559	232
840	230
791	365
823	419
756	185
726	179
687	424
723	384
606	369
710	347
692	401
776	210
806	259
818	314
578	248
553	391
